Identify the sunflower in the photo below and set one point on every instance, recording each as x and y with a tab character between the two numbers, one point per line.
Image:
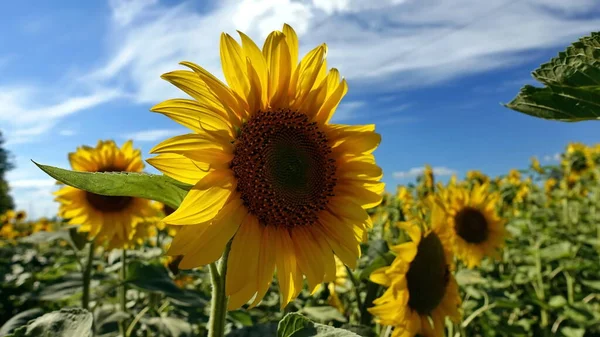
549	186
476	228
107	219
477	177
20	216
578	159
535	165
420	282
269	169
43	225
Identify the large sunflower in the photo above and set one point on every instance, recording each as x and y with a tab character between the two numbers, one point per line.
475	227
420	282
269	169
107	219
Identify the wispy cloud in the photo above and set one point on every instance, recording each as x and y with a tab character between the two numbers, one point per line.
552	158
154	135
67	132
28	119
415	171
395	43
32	183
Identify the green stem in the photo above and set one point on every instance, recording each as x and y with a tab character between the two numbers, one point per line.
87	277
218	308
123	291
540	285
355	285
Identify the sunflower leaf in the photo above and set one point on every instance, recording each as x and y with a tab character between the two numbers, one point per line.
63	323
572	85
128	184
296	325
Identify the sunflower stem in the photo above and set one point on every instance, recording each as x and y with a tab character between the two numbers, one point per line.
123	291
87	276
355	285
218	309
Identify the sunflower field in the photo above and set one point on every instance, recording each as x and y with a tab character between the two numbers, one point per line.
268	220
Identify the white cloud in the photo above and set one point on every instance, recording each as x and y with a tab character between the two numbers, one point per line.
415	171
393	44
32	183
154	135
550	158
67	132
28	119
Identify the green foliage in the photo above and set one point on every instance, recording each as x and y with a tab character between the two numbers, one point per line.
572	85
296	325
6	201
63	323
149	186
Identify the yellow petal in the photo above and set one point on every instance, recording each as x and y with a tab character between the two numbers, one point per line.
179	167
198	147
211	243
258	61
332	102
228	98
291	40
192	114
233	63
308	71
306	250
286	265
203	203
266	263
242	264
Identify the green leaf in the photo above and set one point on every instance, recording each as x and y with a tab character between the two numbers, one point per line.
296	325
380	256
556	251
154	277
466	277
572	79
324	314
63	323
131	184
19	320
557	301
591	284
241	316
171	326
572	332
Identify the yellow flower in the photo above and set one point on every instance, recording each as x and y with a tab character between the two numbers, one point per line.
341	282
549	185
428	176
578	159
20	216
107	219
8	232
475	227
269	169
420	282
477	177
43	225
535	165
10	215
407	201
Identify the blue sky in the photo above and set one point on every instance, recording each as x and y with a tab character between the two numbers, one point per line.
432	75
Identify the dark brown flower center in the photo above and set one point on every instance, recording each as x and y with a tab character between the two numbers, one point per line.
284	168
471	225
427	276
108	204
167	210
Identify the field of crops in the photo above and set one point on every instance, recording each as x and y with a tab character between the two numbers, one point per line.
545	280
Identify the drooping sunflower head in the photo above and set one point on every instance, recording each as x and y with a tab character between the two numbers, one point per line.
478	177
107	219
475	227
268	168
578	159
535	165
420	281
20	216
